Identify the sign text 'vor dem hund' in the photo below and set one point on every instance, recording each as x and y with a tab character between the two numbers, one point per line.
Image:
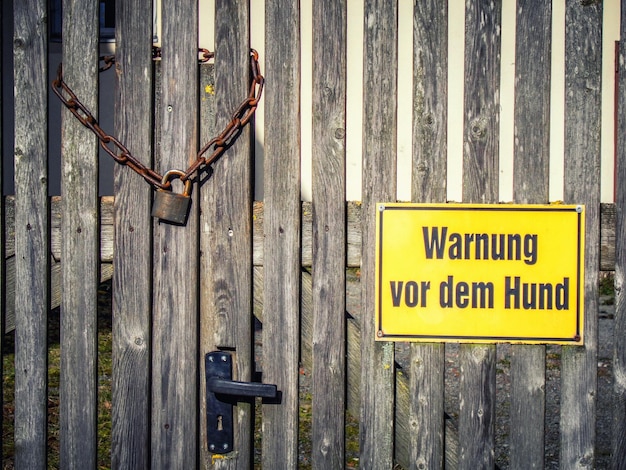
480	273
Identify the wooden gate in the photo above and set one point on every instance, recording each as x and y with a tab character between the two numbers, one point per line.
180	292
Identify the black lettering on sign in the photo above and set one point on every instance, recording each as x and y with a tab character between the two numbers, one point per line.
479	246
535	295
463	295
396	292
414	293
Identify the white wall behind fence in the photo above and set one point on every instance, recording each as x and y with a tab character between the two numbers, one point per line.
404	99
455	108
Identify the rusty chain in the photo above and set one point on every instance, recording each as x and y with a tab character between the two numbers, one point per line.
208	154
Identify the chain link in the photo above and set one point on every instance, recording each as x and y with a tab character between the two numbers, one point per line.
208	154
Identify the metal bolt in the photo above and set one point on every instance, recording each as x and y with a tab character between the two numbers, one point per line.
225	446
224	358
169	108
212	447
381	207
579	209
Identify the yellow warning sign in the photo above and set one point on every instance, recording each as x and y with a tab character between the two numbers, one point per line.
480	273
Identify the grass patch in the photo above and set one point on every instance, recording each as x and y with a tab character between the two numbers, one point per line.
54	376
606	284
105	367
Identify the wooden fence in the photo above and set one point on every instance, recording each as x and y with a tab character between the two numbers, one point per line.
180	292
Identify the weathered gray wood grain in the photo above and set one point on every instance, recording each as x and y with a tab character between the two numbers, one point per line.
618	454
132	264
403	429
353	242
31	226
354	211
477	415
429	175
530	185
607	231
379	185
209	194
583	72
531	162
608	238
174	441
329	233
226	225
430	100
79	246
353	208
3	273
282	231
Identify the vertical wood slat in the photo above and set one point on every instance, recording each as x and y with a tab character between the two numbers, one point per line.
379	185
3	228
530	185
130	432
31	232
480	185
175	296
226	228
430	120
618	455
329	234
208	317
583	72
4	294
281	322
79	247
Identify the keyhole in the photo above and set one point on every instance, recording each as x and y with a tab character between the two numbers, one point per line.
220	425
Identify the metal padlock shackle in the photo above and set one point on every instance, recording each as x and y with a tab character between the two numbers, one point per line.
172	174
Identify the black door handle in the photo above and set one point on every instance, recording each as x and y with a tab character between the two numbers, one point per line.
221	392
240	389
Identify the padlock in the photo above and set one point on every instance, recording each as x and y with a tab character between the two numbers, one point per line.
170	206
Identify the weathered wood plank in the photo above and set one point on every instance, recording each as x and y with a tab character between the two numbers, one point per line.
329	233
3	273
79	247
209	194
430	100
175	296
130	432
608	238
106	227
618	444
477	414
54	208
583	72
531	161
226	227
530	185
429	175
607	217
31	247
282	231
379	185
354	210
353	216
403	429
